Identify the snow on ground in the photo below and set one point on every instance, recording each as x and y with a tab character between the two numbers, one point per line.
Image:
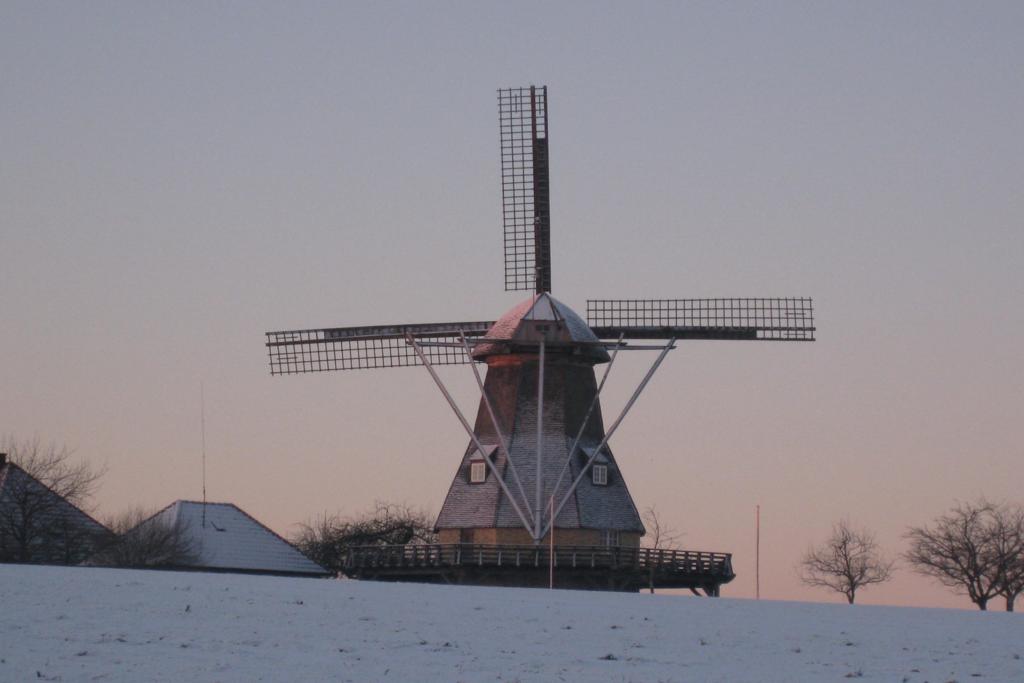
86	624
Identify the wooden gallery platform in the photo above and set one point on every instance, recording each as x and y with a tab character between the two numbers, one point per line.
578	567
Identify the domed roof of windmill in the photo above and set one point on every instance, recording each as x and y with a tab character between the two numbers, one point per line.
542	316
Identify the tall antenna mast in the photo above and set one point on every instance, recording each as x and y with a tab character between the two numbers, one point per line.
202	422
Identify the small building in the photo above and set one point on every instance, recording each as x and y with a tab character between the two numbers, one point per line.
39	526
224	538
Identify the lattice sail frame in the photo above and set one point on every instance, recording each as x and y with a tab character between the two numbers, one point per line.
779	319
525	187
358	348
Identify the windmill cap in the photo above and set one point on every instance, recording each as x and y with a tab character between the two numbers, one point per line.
542	316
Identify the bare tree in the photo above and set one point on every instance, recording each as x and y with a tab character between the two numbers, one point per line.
848	561
142	540
44	504
1007	540
659	536
960	551
326	538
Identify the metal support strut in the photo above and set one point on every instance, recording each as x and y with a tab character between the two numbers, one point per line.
502	443
472	435
608	434
586	418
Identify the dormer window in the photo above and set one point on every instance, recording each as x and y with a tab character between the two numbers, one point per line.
478	463
598	465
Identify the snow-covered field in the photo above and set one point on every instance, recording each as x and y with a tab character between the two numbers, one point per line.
75	624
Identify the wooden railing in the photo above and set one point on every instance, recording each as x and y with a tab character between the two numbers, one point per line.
675	562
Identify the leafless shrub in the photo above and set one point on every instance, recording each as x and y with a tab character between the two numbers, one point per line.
142	540
659	536
326	538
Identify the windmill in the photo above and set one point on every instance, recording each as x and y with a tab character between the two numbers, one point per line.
538	466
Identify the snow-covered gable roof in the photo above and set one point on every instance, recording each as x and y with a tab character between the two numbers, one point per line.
13	476
19	491
227	538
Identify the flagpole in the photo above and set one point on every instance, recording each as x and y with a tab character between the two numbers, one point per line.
551	547
757	557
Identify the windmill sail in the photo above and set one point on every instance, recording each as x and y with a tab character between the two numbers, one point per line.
785	319
523	119
355	348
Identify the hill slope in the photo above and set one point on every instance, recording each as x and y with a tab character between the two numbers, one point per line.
75	624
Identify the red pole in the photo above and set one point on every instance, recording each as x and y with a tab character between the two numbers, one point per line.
551	547
757	557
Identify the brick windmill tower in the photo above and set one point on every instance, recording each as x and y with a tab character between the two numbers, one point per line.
538	481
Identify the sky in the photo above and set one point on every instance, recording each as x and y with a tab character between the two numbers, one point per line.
177	179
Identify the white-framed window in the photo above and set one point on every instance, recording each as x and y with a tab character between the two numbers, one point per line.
477	472
600	475
611	538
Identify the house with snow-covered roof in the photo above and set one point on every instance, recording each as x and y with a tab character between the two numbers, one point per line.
38	525
224	538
